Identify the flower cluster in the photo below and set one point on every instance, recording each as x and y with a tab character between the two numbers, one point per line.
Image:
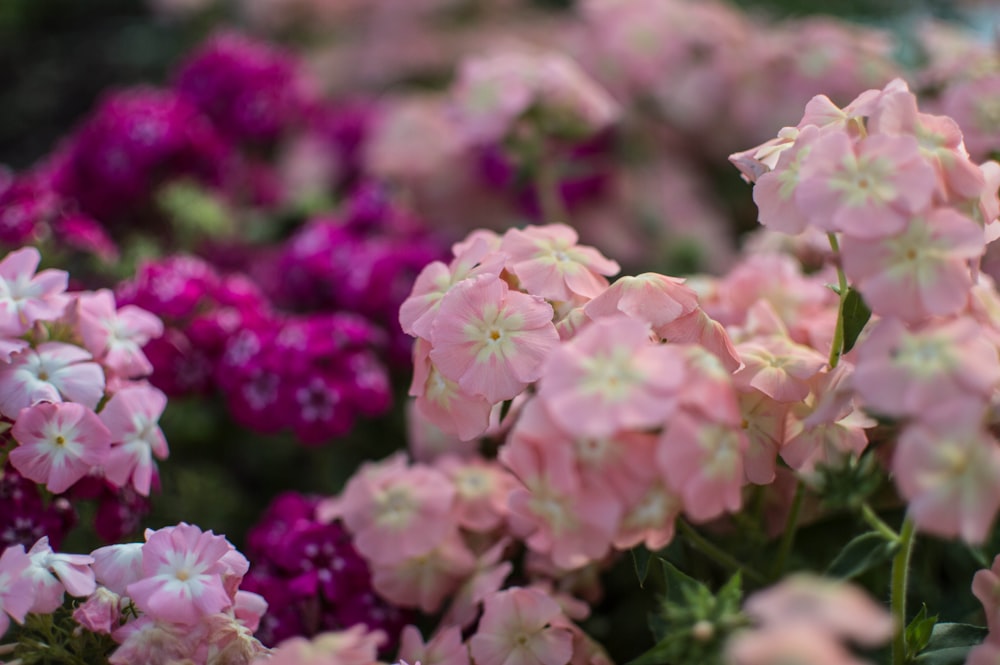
311	373
311	576
910	215
174	596
79	418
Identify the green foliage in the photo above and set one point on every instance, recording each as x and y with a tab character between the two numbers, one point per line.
918	633
849	484
949	644
56	639
640	560
867	551
693	623
856	315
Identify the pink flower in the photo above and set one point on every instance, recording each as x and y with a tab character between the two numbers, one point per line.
904	372
865	189
703	459
116	336
52	573
516	630
182	570
16	590
444	648
100	612
443	402
650	297
986	587
611	377
58	444
774	191
426	580
481	489
151	641
792	645
131	416
809	602
26	297
396	512
919	272
777	367
548	262
117	566
491	340
947	473
354	646
487	578
52	372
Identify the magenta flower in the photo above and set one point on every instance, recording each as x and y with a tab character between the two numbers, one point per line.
58	444
182	570
492	340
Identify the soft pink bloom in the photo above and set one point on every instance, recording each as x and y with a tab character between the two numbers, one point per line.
703	460
655	299
612	377
26	297
477	255
763	425
396	512
778	644
903	372
487	578
947	473
249	608
986	587
777	367
131	416
548	262
52	372
58	444
182	575
116	336
481	489
987	653
152	642
100	613
221	639
515	630
492	340
444	648
774	191
117	566
354	646
809	602
554	511
920	271
427	441
51	574
16	590
651	505
865	189
443	402
426	580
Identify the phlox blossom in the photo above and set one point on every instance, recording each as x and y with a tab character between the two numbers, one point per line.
424	581
26	297
116	336
867	188
903	372
787	645
52	372
354	646
516	629
395	511
131	416
986	587
444	648
611	377
182	570
117	566
52	573
100	613
774	191
921	271
548	262
490	339
151	641
443	402
655	299
16	590
777	367
947	473
58	444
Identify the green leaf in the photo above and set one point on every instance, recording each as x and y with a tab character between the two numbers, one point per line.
731	595
863	553
663	651
681	588
640	561
950	643
918	633
856	315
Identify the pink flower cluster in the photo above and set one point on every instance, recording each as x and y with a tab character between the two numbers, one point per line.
911	215
311	576
807	619
72	392
309	373
986	588
175	596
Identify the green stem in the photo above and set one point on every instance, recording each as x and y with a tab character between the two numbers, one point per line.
837	348
716	554
876	523
897	593
791	527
